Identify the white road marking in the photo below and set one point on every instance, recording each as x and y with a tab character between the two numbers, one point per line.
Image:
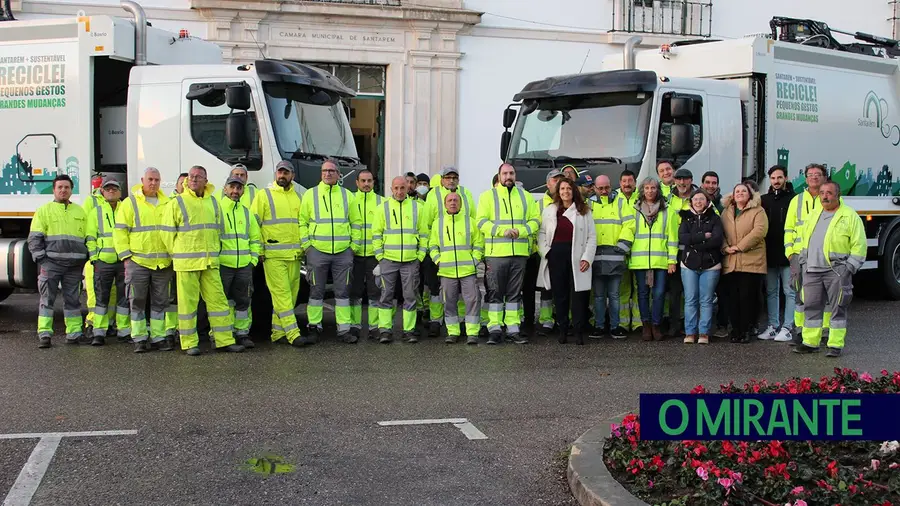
32	473
463	424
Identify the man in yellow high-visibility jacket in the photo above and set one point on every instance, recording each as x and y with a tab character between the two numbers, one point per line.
172	310
363	209
239	255
832	249
508	217
57	242
629	310
400	237
799	210
148	268
90	205
191	232
109	271
325	239
278	208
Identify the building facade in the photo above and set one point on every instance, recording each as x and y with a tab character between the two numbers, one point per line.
434	76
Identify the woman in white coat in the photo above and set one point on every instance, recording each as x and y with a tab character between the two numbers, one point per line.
567	242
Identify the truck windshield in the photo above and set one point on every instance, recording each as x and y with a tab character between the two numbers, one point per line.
304	128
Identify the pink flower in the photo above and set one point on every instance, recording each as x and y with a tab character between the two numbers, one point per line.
875	464
797	491
727	483
738	477
614	428
701	472
799	502
866	377
650	483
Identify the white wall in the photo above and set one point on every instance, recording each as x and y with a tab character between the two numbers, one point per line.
493	70
543	14
736	18
146	4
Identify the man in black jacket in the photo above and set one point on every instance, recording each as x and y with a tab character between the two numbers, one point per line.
776	203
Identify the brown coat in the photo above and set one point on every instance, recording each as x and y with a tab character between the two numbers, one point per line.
748	233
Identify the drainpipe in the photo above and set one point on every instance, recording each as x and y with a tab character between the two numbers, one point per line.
140	30
628	56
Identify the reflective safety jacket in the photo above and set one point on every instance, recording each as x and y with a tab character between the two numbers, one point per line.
278	210
325	219
500	209
240	240
845	238
137	234
58	234
542	202
192	230
614	227
456	245
101	221
247	198
94	200
434	202
399	233
363	208
656	246
799	210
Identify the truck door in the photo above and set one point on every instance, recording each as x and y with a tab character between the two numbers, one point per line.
697	160
204	115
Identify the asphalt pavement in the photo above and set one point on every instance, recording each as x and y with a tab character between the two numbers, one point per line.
200	419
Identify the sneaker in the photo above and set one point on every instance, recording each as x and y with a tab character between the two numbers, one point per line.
246	342
784	335
768	334
619	333
544	330
703	339
833	352
802	349
721	331
44	342
73	340
194	352
690	339
410	337
233	348
519	339
386	337
596	333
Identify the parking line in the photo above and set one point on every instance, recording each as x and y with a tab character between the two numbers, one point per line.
31	475
470	430
463	424
36	435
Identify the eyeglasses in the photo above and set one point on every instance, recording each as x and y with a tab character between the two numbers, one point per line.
326	171
197	178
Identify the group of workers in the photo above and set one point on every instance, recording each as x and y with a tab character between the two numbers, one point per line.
482	261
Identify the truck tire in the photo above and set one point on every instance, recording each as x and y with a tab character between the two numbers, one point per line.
5	293
890	266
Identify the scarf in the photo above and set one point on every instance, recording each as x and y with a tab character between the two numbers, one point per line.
650	210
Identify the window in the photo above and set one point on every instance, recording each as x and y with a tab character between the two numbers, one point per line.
208	116
672	17
695	120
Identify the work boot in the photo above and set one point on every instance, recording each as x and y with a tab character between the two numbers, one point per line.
44	342
141	347
833	352
690	339
657	333
355	332
349	338
232	348
300	342
386	337
803	349
483	332
704	339
98	341
85	338
450	339
194	352
797	337
434	329
494	338
472	340
563	333
747	337
164	345
579	338
639	329
721	331
619	333
519	338
73	340
410	337
314	332
646	332
246	342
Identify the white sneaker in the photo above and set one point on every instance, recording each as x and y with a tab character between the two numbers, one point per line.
768	334
783	335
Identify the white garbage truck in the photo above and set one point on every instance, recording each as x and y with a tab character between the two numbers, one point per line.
736	107
100	95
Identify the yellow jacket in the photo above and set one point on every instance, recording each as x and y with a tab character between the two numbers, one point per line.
137	234
58	234
278	210
192	228
325	219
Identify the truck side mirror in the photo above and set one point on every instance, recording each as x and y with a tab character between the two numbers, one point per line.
681	107
238	97
237	131
681	140
509	117
505	139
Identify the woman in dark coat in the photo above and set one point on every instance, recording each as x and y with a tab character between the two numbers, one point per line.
700	239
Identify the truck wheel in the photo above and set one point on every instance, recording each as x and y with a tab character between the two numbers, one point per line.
890	266
4	293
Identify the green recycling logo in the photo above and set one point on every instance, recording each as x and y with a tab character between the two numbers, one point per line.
875	113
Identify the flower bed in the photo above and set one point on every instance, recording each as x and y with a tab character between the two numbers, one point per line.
769	473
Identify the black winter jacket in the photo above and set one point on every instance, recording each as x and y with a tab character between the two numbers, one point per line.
776	203
699	253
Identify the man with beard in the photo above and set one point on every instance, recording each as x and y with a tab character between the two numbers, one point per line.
776	203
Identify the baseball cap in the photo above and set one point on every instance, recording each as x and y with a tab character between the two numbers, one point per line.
234	180
553	173
585	180
683	173
448	169
110	182
422	177
239	166
284	164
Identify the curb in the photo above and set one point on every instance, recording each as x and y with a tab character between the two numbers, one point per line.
589	479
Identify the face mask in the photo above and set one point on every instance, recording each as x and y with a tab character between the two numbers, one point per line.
422	190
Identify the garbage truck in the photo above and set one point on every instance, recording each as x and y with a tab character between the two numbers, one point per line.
103	96
793	97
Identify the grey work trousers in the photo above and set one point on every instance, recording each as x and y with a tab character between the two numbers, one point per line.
341	267
237	284
504	277
407	274
452	288
363	282
824	293
50	277
144	284
104	276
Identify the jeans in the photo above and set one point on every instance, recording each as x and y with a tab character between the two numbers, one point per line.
699	292
774	277
606	288
659	292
